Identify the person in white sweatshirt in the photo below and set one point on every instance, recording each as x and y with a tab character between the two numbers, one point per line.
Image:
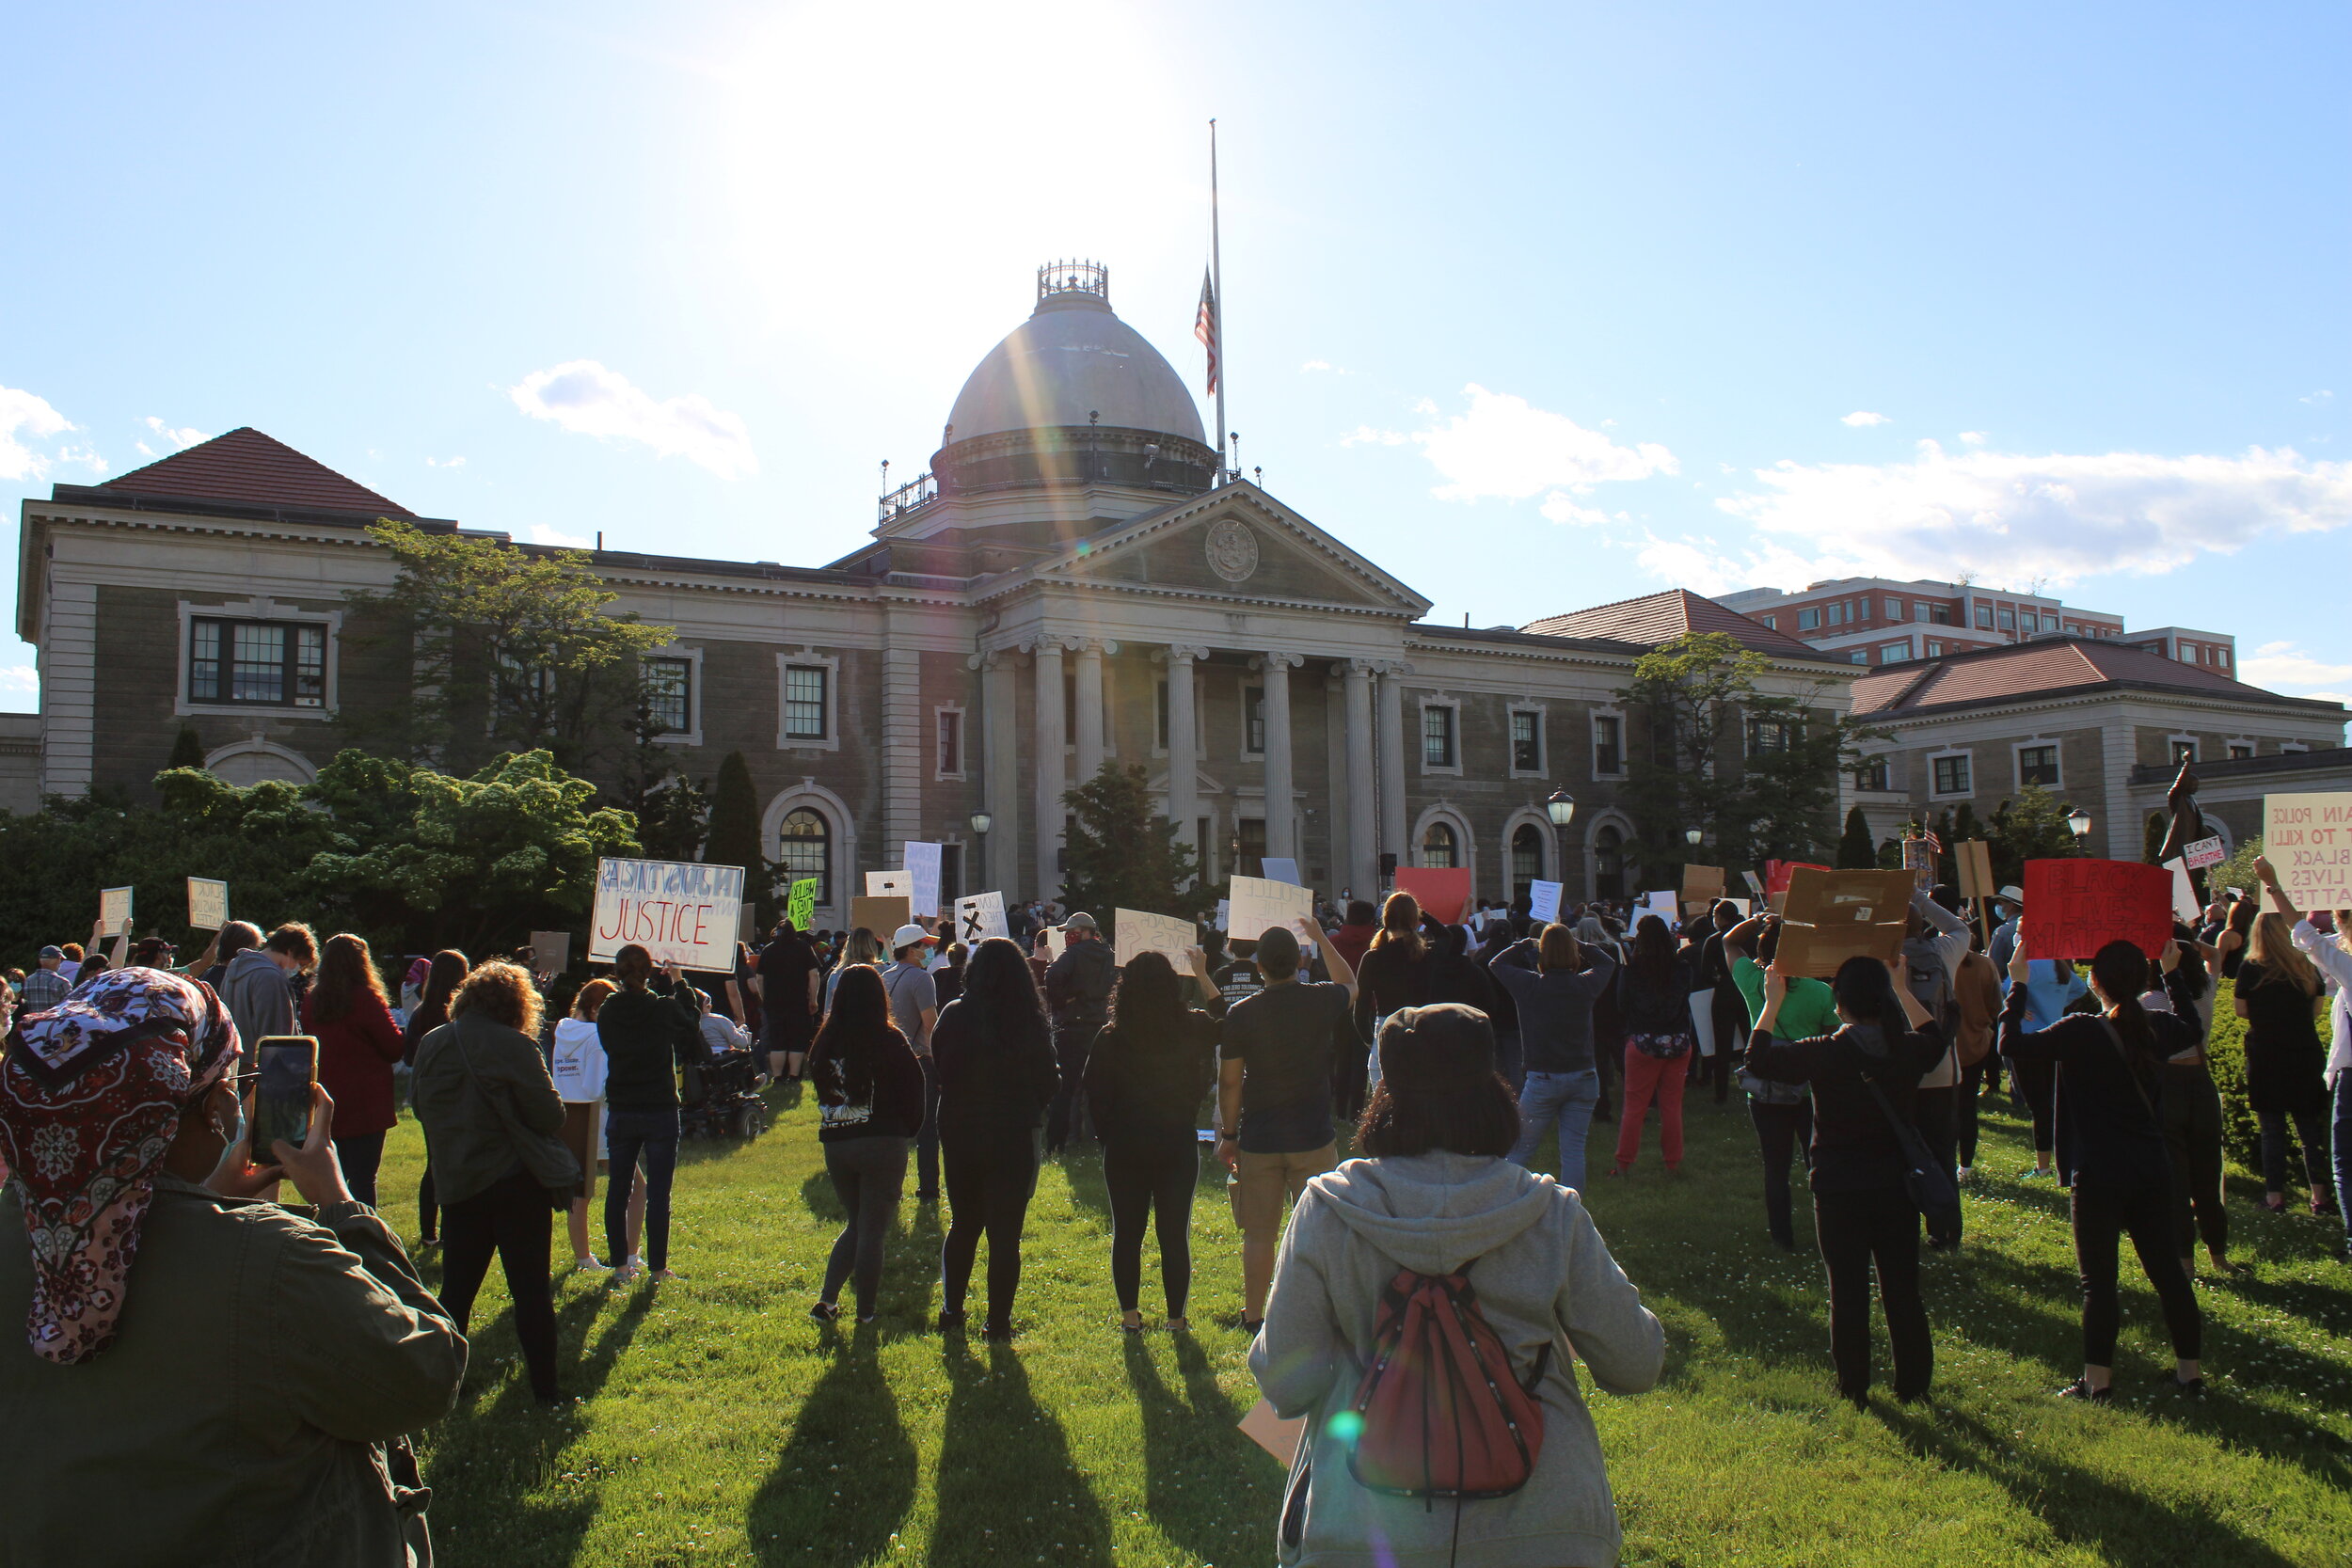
578	1067
1440	1195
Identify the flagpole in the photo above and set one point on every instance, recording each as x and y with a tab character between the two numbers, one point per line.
1216	286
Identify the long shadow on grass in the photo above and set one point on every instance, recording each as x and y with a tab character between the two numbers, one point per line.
847	1476
1009	1489
2125	1527
1206	1485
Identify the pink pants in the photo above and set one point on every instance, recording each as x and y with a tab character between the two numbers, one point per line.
1649	1077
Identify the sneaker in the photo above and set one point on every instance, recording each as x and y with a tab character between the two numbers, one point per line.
667	1276
951	1320
1967	1175
823	1312
587	1265
2078	1389
2036	1174
2193	1389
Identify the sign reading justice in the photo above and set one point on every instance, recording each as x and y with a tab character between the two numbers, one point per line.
674	910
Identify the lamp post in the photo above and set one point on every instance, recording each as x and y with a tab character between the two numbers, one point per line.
981	823
2078	823
1561	807
1691	836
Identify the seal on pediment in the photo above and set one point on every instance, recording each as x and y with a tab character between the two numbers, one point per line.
1232	550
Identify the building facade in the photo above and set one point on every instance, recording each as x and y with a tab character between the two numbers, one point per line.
1880	621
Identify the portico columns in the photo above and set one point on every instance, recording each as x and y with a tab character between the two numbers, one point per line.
1183	765
1050	766
1393	742
1089	703
1362	846
1280	808
1002	781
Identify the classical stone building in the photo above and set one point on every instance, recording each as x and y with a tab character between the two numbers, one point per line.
1076	580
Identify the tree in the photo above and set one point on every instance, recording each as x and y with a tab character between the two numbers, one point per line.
509	649
1757	772
2032	827
1122	854
1854	849
2236	872
734	836
1965	824
187	751
2151	839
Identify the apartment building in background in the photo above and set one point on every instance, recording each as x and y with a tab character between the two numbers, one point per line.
1876	621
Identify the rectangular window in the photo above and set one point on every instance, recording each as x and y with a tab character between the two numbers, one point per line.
1838	613
1871	774
2241	749
1895	653
1984	616
805	702
1159	714
1437	736
1526	743
2038	765
670	696
1935	649
1939	614
1772	620
2008	619
1769	735
1894	610
261	663
2221	658
1809	620
1607	745
950	742
1253	720
2184	751
1860	655
1951	775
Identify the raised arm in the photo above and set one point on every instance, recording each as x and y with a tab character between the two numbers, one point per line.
2278	893
1310	938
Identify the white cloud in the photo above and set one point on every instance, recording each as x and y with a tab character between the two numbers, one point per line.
2015	518
444	462
23	411
586	399
19	677
1506	449
1315	365
1363	436
182	437
1973	438
2285	665
2320	396
1684	563
1862	417
540	533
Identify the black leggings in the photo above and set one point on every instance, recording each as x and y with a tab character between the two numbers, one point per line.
2036	1083
428	1208
1856	1230
511	1218
1971	1087
2102	1215
630	1137
1780	1131
1153	1175
990	1175
2192	1135
360	1155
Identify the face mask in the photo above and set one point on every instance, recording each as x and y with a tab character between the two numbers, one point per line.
233	1133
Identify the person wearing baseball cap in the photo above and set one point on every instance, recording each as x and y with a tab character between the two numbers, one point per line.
1078	1002
914	1008
44	988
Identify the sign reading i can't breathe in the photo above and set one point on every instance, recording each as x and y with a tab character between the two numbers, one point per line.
2076	907
674	910
2308	841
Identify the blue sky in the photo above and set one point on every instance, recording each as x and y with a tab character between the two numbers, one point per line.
1539	306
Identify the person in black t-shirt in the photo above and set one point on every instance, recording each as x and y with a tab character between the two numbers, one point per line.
1279	1051
788	975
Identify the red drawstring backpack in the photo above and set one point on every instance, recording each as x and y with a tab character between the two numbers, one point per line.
1441	1415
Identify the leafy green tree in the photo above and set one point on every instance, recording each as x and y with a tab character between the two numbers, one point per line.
187	751
1854	849
1965	824
1122	854
511	649
734	836
2237	871
2032	827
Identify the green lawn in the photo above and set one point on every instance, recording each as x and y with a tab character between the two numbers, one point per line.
722	1426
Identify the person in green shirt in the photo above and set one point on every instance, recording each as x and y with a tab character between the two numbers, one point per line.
1782	1113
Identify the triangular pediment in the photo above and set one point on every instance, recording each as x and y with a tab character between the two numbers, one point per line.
1234	542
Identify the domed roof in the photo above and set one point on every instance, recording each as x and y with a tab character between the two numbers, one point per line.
1071	358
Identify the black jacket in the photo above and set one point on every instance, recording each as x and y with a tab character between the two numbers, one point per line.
646	1037
1078	986
1854	1146
1000	1083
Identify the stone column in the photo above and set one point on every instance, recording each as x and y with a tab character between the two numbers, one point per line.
1001	781
902	758
1281	809
1393	828
1363	832
1090	698
1050	766
1183	765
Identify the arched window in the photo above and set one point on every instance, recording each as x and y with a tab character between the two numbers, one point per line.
1527	859
1609	864
804	849
1439	847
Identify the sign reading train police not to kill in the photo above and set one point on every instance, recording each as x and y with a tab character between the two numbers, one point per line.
674	910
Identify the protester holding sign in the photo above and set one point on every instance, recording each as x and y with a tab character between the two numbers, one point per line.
1782	1114
1077	996
359	1042
2280	993
2110	1147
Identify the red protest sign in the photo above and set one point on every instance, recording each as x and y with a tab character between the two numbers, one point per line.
1776	874
1443	891
2075	908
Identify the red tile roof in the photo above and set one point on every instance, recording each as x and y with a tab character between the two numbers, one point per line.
1656	618
248	468
2029	668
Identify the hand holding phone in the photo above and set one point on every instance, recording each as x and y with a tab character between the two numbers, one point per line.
314	1169
287	1066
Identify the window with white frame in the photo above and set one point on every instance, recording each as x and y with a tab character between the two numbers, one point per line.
1440	737
1894	610
947	741
1526	742
1769	736
1984	616
1935	649
1895	653
1527	859
2180	748
2241	750
808	701
1440	847
245	663
1607	745
1872	774
1950	773
1809	620
669	695
2037	764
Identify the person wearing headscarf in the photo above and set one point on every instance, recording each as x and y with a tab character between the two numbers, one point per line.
234	1370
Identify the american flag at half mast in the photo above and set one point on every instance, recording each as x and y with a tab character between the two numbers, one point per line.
1205	325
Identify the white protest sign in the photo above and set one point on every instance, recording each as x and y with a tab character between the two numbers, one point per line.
1279	868
980	917
114	910
922	862
1755	885
1140	932
208	903
2308	840
1663	905
1743	905
891	884
1055	943
1542	901
674	910
2184	892
1224	911
1258	903
2204	852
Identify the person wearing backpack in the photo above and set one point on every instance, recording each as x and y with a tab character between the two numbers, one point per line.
1436	1272
1934	942
1865	1077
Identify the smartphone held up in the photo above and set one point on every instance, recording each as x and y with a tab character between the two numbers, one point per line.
286	1066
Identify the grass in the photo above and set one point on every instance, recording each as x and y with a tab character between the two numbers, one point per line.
722	1426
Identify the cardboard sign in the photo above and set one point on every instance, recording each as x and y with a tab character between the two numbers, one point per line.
208	903
1257	904
891	884
922	863
980	917
1776	874
1542	901
1702	884
2204	852
799	905
1835	915
114	910
1271	1432
550	952
2076	907
677	911
1755	885
1976	868
1280	868
1140	932
1443	891
881	913
2308	841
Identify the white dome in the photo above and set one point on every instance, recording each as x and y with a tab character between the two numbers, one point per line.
1073	357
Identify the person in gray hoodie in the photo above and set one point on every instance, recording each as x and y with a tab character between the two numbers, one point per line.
259	987
1439	1195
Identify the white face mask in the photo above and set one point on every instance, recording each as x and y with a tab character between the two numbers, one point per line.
233	1134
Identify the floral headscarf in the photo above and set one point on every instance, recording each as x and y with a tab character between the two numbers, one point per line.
90	1096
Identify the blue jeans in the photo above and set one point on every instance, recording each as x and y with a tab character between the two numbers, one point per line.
1563	1097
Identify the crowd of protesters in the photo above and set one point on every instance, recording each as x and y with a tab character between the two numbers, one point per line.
1447	1054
